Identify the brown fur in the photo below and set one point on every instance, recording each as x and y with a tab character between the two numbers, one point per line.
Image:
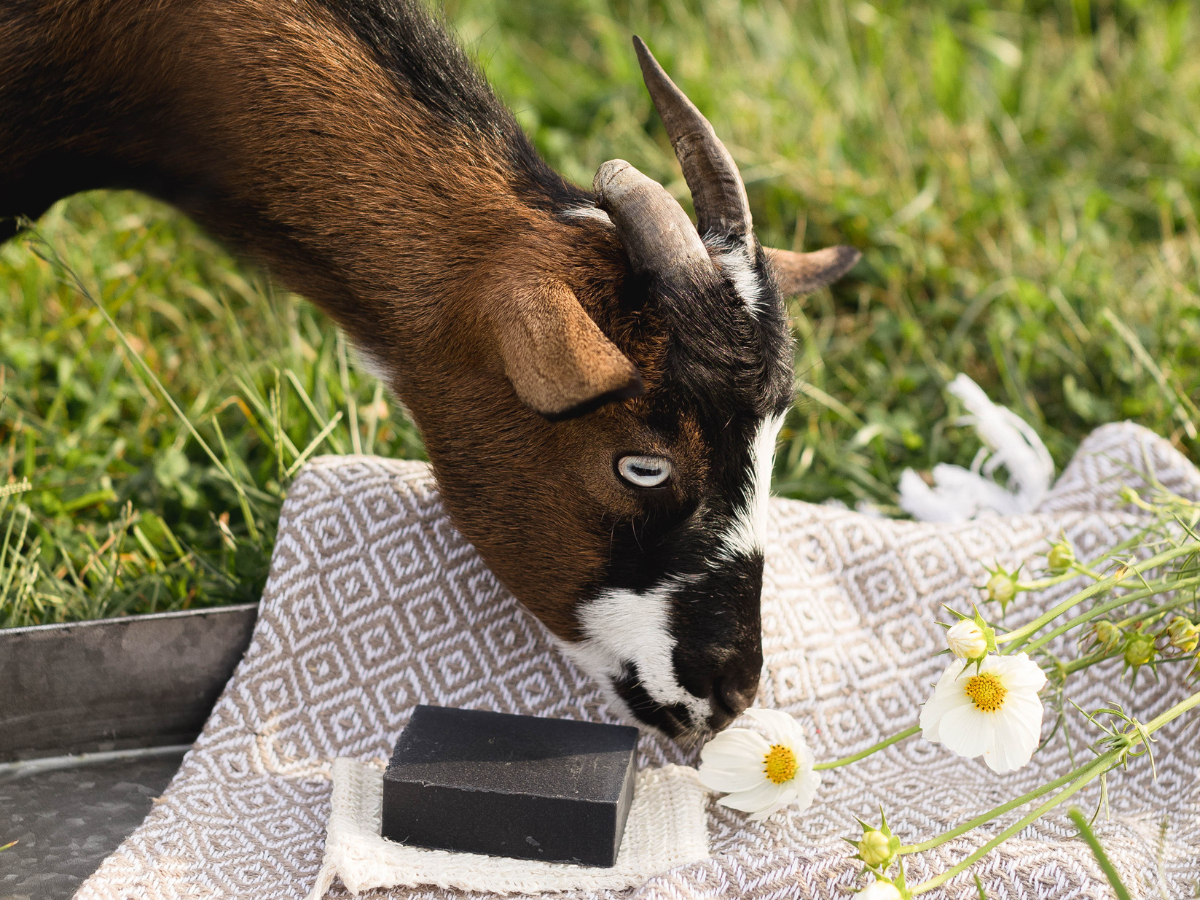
298	152
274	126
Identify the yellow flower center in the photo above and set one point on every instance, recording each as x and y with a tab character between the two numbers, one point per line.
781	764
986	691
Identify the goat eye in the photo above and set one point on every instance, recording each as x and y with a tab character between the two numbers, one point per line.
644	471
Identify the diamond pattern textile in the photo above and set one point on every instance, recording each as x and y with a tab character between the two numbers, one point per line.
376	604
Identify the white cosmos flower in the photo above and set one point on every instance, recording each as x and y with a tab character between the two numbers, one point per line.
879	890
967	640
761	774
993	712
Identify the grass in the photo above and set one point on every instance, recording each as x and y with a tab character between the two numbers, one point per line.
1023	180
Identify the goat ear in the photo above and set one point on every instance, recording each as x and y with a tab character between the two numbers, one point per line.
803	273
558	360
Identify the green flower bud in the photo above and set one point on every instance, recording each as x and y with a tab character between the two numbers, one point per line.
1002	587
1183	635
1061	557
1107	635
1139	649
1128	495
877	849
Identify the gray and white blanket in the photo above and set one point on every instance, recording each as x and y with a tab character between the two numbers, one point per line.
375	604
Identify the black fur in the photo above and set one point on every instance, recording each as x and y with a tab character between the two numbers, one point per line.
428	66
727	369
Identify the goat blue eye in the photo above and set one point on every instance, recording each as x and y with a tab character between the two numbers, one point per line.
644	471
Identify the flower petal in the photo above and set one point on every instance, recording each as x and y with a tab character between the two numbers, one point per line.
785	797
806	785
967	731
734	748
755	799
946	696
1017	672
878	890
1014	744
781	727
951	674
727	781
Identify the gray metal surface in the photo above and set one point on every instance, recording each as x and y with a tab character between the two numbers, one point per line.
112	684
68	814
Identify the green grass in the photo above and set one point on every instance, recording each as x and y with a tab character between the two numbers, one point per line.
1023	181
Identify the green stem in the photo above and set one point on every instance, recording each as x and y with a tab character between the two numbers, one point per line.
1123	600
1156	610
1019	636
1042	583
1085	832
1086	774
887	742
1083	662
998	811
1173	713
1101	764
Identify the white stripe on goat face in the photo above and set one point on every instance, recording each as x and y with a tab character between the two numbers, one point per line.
747	535
624	627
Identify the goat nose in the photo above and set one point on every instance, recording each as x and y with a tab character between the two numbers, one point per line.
734	689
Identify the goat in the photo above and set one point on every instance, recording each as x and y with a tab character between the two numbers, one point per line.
599	383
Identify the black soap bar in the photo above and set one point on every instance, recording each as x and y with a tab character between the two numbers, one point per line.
517	786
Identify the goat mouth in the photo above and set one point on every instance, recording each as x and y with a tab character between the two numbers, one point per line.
672	719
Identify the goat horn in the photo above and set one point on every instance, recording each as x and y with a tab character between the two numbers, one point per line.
656	232
717	190
803	273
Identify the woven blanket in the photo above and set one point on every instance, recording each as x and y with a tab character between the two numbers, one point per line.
375	604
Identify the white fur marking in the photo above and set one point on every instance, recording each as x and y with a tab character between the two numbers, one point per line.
737	264
748	533
588	212
627	627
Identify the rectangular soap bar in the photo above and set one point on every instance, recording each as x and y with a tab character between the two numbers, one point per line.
517	786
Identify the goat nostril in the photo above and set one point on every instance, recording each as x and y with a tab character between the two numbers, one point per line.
732	695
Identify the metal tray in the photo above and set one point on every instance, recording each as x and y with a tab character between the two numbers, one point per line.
114	684
94	720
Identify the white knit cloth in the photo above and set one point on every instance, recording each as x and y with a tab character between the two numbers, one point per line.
376	604
666	828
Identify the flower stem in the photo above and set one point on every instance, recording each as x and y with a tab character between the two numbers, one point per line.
1089	837
1173	713
1020	635
1083	776
1101	764
874	748
1115	603
997	812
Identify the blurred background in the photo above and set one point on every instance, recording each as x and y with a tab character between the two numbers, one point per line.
1023	179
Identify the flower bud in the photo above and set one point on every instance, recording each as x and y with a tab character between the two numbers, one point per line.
1061	557
1183	635
1002	587
1107	635
1139	649
1128	495
967	640
877	849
